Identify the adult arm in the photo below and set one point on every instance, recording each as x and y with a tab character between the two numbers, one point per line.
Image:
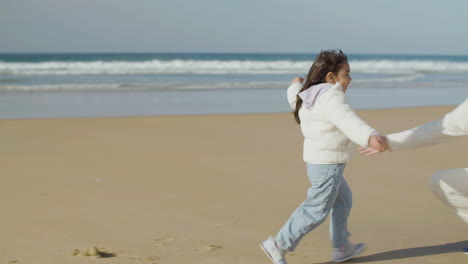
453	124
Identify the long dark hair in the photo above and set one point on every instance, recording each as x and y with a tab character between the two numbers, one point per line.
327	61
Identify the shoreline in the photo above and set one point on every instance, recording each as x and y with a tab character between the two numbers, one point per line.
217	102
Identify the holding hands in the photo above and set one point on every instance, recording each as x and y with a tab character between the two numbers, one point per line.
377	144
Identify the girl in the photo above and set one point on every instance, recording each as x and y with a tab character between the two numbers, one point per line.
328	124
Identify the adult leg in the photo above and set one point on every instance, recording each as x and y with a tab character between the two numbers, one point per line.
321	196
451	187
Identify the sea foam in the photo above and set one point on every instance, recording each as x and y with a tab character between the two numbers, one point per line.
179	66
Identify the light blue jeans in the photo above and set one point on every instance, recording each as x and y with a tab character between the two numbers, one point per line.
329	193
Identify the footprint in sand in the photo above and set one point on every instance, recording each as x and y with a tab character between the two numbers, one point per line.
226	223
208	247
146	259
170	244
164	241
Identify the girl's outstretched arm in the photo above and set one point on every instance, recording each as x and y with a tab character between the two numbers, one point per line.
345	119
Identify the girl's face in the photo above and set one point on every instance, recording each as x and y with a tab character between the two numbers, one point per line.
343	76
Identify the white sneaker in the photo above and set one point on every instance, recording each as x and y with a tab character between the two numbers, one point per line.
348	252
275	253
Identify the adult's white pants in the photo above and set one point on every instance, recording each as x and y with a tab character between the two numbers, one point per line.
451	187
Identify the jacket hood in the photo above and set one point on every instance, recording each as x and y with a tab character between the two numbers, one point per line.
310	96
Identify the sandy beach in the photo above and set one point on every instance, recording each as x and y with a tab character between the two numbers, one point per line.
208	189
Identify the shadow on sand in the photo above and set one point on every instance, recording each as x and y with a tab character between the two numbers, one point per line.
411	252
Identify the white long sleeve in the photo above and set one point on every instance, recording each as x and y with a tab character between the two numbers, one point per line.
343	116
329	127
453	124
292	92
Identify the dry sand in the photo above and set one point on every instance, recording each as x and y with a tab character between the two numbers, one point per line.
208	189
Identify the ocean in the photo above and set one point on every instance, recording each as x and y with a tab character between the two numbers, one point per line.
140	84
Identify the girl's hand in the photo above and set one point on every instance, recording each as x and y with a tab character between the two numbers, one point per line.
298	79
368	151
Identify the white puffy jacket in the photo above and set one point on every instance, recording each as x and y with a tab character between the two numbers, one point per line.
329	127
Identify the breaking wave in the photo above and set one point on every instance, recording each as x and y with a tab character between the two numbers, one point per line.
178	66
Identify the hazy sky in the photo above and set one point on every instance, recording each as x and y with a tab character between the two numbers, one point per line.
299	26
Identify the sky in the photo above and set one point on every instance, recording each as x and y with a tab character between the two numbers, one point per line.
245	26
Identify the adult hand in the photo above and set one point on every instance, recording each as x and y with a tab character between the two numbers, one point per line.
377	144
298	79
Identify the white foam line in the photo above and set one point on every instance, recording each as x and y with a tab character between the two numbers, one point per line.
222	67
